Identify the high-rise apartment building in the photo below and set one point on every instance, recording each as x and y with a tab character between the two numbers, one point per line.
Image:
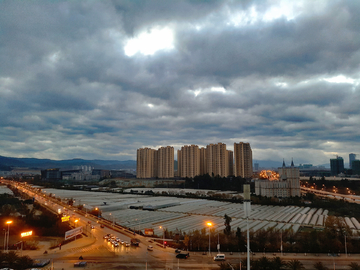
146	163
217	159
352	157
231	162
243	160
337	165
356	167
165	162
189	161
203	168
152	163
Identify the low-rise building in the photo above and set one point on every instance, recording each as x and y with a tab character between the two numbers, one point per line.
288	184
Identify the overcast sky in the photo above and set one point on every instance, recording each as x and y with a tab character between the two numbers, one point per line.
99	79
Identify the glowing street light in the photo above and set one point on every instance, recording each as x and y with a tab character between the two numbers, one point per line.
209	224
8	234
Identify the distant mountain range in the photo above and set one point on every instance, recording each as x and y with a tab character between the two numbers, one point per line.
6	163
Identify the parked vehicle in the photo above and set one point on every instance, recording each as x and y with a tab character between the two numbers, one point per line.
177	250
150	248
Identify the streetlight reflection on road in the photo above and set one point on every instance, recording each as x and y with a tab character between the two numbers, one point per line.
209	224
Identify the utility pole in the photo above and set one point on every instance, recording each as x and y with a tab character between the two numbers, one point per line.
247	210
281	247
345	247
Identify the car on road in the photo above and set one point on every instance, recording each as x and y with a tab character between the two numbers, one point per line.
80	264
101	226
177	250
183	255
122	242
150	248
135	242
127	244
115	244
219	257
92	227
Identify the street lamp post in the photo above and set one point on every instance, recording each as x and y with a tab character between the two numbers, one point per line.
76	221
218	245
163	228
247	210
5	235
113	219
345	246
8	234
209	224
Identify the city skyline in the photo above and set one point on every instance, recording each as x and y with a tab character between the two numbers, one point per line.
99	80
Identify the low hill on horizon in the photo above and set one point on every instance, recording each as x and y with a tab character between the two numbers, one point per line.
34	163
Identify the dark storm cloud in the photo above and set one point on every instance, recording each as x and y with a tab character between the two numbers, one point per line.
69	90
142	13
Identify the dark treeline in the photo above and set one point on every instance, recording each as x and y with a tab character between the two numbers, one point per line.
11	260
264	263
216	182
329	240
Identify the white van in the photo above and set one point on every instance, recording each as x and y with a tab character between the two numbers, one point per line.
219	257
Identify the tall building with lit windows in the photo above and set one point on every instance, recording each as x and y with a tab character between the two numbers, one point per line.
217	158
243	160
285	184
189	161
